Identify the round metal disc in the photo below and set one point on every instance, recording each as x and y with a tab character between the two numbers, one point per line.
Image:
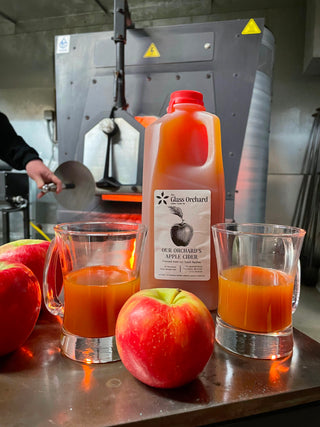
79	197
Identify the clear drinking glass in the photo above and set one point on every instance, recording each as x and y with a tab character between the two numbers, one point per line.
100	264
259	287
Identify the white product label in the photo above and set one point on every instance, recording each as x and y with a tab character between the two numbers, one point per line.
63	44
182	220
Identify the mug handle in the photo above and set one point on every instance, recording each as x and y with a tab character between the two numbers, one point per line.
51	288
296	288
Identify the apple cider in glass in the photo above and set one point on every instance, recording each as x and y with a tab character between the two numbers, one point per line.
93	298
100	264
255	299
259	287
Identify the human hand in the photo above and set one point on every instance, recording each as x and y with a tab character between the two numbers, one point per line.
39	172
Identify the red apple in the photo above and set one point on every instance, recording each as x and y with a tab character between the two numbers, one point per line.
164	336
32	253
20	303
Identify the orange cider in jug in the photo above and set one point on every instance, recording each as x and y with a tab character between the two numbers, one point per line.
183	194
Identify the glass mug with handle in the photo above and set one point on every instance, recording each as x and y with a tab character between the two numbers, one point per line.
259	287
100	263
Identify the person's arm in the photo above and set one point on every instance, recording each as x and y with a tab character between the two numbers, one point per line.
13	149
18	154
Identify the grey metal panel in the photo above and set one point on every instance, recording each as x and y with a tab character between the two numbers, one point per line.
183	45
236	60
73	73
250	199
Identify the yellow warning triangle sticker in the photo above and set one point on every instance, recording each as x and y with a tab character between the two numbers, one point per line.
152	52
251	28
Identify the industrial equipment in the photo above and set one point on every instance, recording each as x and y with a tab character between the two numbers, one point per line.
79	183
230	62
14	197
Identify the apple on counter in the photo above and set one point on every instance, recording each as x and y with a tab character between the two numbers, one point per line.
31	253
164	336
20	303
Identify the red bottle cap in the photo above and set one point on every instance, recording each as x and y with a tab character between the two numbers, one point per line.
185	97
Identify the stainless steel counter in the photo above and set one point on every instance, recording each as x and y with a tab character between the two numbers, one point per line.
39	387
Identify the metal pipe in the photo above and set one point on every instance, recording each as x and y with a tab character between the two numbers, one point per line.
120	25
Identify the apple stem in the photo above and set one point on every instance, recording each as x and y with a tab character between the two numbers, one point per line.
177	292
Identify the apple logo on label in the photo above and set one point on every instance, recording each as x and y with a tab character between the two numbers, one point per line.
181	233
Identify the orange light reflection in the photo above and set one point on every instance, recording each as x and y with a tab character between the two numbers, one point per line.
146	120
27	352
122	197
132	257
59	319
278	369
86	383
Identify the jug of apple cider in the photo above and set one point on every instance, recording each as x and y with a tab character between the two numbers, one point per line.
183	194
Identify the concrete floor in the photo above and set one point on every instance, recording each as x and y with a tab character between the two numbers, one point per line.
307	315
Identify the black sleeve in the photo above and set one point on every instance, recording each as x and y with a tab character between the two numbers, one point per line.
13	149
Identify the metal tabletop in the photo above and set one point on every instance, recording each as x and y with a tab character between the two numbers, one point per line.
40	387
